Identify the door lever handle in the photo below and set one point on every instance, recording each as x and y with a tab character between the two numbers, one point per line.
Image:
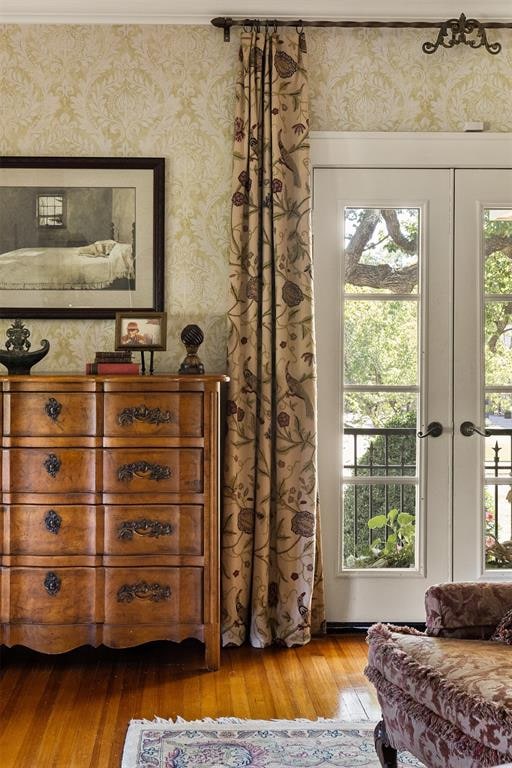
434	429
468	429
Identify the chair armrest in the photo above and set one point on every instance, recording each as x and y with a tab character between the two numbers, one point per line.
466	609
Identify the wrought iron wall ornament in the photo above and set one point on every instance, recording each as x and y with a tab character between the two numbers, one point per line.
52	583
52	521
53	408
52	464
455	32
142	413
151	528
143	469
456	28
16	356
155	593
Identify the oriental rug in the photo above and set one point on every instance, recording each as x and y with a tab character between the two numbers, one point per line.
233	743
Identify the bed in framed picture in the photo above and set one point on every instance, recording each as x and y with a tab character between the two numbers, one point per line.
81	236
92	266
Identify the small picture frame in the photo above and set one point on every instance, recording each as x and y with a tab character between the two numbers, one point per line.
141	331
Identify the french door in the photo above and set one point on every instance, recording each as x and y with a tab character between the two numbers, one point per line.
414	335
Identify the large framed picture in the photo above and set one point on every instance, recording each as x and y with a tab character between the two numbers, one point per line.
81	237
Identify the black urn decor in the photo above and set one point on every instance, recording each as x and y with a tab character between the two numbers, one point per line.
192	337
16	356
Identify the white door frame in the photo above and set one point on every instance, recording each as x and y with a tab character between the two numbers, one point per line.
332	149
409	150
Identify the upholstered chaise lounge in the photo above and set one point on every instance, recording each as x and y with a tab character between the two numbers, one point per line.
446	694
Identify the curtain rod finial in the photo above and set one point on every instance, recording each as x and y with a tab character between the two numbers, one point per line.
225	22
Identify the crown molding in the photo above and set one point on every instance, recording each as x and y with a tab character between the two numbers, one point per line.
202	11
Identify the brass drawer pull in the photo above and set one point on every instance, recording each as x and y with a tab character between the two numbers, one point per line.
151	528
52	464
52	583
143	469
53	408
142	413
52	521
143	591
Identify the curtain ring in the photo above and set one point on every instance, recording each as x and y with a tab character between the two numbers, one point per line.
258	26
275	26
300	27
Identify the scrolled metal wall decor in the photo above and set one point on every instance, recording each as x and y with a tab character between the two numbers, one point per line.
151	528
143	413
141	590
144	470
455	31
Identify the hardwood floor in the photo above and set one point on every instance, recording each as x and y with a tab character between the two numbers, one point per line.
72	710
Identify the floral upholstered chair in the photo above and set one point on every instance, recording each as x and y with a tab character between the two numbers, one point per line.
446	694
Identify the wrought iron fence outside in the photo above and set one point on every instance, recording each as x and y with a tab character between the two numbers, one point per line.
390	452
386	452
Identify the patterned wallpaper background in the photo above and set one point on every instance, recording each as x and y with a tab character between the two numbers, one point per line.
168	91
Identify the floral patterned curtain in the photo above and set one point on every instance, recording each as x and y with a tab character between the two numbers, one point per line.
271	575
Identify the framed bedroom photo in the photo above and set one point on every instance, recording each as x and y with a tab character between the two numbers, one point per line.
81	237
141	330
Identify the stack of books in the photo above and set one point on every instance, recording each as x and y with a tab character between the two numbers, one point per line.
119	362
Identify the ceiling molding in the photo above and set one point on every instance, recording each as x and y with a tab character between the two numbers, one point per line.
202	11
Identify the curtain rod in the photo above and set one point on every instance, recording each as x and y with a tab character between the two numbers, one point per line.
454	30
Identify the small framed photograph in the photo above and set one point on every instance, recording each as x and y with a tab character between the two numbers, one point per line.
141	330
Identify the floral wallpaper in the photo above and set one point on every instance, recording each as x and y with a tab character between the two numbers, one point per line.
168	91
134	91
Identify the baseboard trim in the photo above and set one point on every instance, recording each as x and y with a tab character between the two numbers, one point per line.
361	627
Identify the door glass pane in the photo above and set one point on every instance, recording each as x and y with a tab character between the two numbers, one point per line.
498	342
381	250
380	387
498	526
497	242
497	500
380	342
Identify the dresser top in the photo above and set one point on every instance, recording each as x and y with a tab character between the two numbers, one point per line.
111	383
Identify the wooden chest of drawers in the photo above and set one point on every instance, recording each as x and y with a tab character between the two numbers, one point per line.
109	529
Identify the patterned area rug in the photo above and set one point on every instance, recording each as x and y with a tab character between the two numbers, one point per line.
232	743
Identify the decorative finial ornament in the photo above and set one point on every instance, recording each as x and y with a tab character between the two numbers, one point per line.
456	31
192	337
16	356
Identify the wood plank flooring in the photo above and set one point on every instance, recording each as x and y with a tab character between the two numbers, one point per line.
72	710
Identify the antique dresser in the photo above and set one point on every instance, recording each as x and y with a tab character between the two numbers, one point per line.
110	529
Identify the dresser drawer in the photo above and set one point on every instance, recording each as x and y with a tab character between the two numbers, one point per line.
153	595
46	529
154	530
49	470
43	414
51	595
146	414
153	470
